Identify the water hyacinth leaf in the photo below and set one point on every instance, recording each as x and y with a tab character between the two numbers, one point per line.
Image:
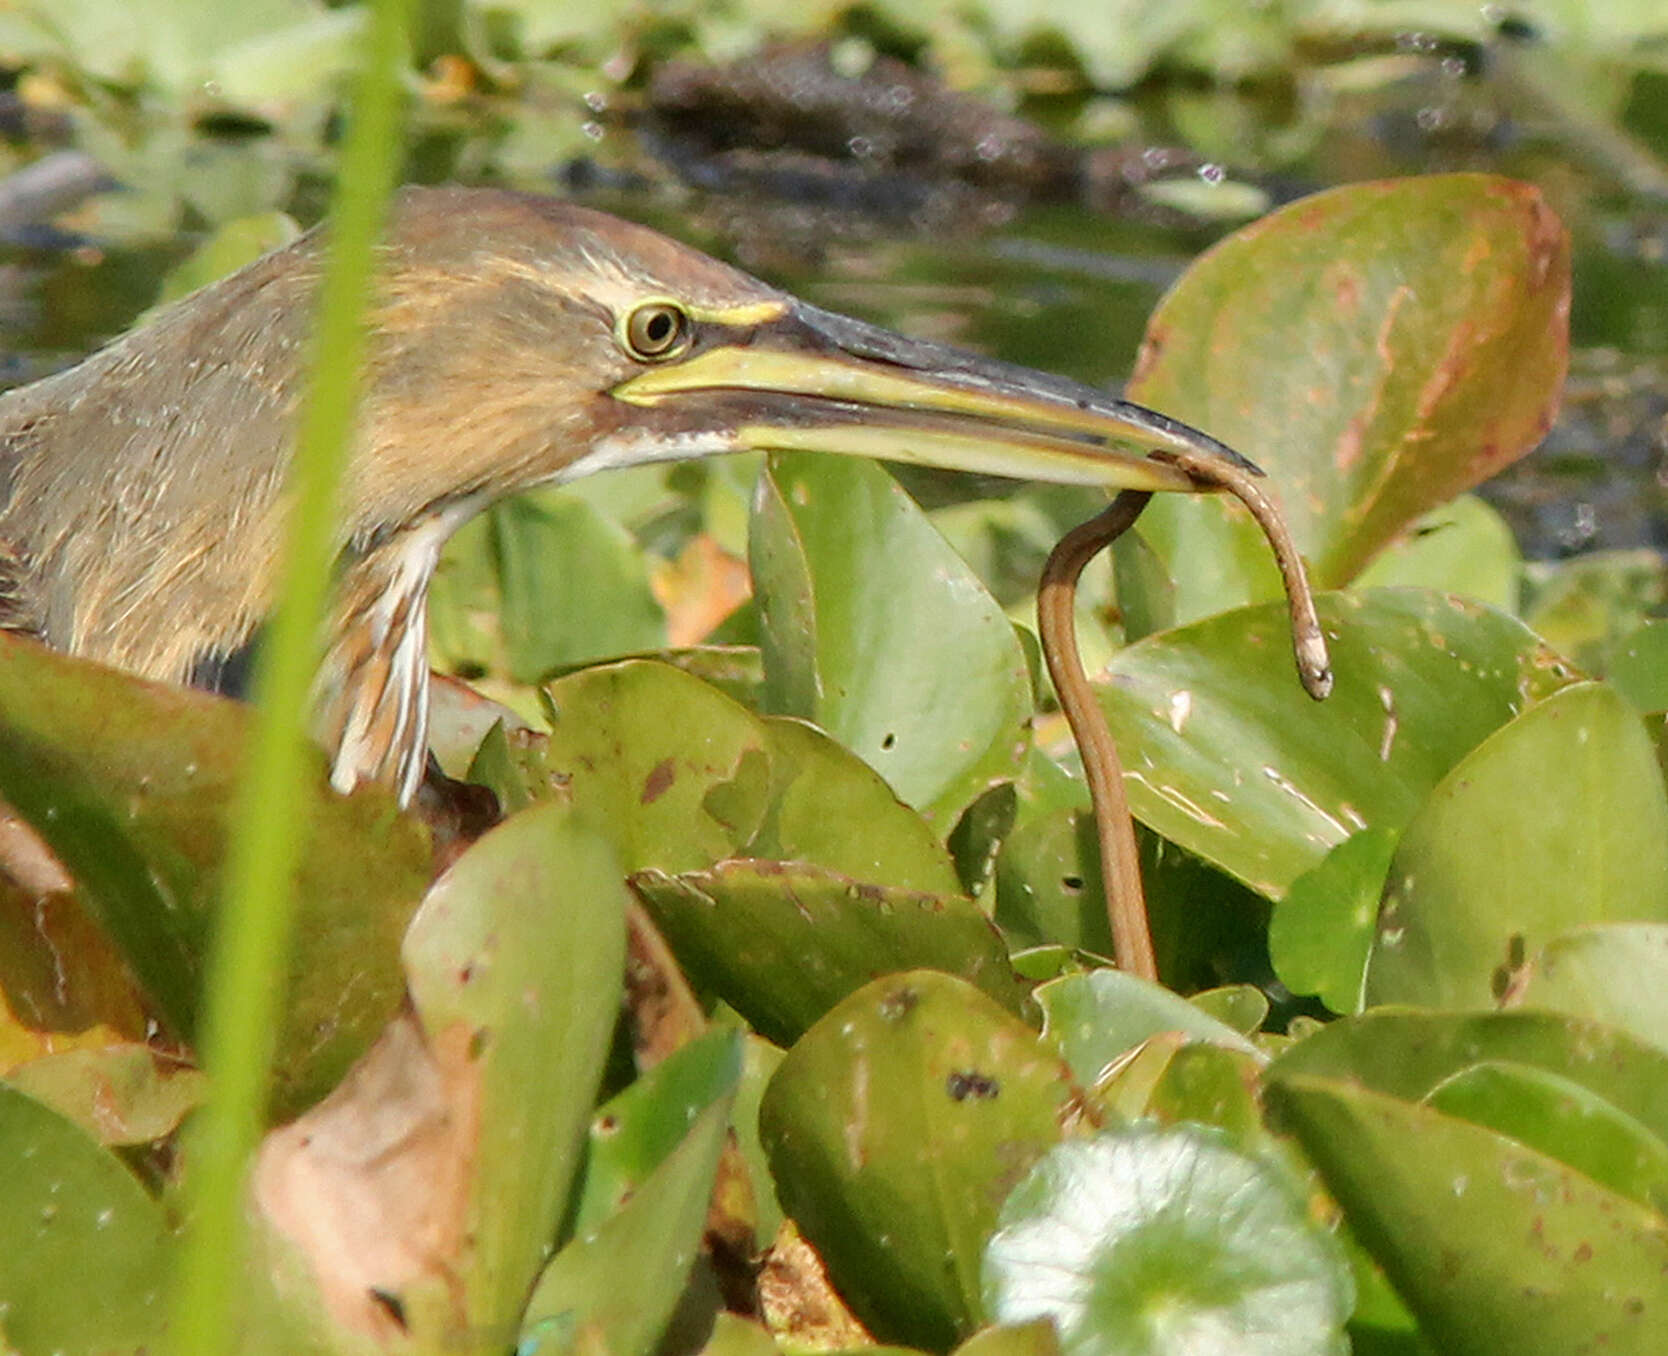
1321	934
633	1131
874	629
1464	547
829	807
616	1285
1152	1241
1408	1053
1424	351
70	1211
573	586
1565	1121
671	771
1640	668
782	943
519	951
895	1128
1096	1018
1048	886
735	1336
123	1093
1019	1339
1225	755
1241	1007
1612	972
1588	844
129	783
1495	1247
1213	1086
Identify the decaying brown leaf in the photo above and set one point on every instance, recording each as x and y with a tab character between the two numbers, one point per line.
371	1186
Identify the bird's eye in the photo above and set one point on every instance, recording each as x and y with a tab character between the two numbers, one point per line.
656	329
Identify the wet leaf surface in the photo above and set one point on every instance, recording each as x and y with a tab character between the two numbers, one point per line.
1225	754
895	1128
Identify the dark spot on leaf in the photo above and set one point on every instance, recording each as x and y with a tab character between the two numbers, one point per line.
899	1004
1071	884
390	1304
1583	1252
466	973
961	1086
659	781
888	740
607	1124
479	1042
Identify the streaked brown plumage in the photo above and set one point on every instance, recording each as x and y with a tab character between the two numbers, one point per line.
515	340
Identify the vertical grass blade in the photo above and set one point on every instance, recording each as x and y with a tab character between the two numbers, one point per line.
244	983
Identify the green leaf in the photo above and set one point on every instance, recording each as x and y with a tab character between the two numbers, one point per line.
74	1217
671	771
1406	1054
782	943
521	947
1557	819
829	807
614	1289
895	1127
119	1094
1564	1120
873	628
573	584
1242	1007
1640	669
1023	1339
1164	1242
1225	755
633	1132
1495	1247
1095	1018
130	784
1376	349
1321	934
1612	972
1463	547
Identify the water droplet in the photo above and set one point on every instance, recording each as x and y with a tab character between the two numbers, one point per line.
1212	174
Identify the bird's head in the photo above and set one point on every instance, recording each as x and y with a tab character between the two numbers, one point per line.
521	340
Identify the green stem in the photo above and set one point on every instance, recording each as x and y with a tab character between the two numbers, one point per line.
245	989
